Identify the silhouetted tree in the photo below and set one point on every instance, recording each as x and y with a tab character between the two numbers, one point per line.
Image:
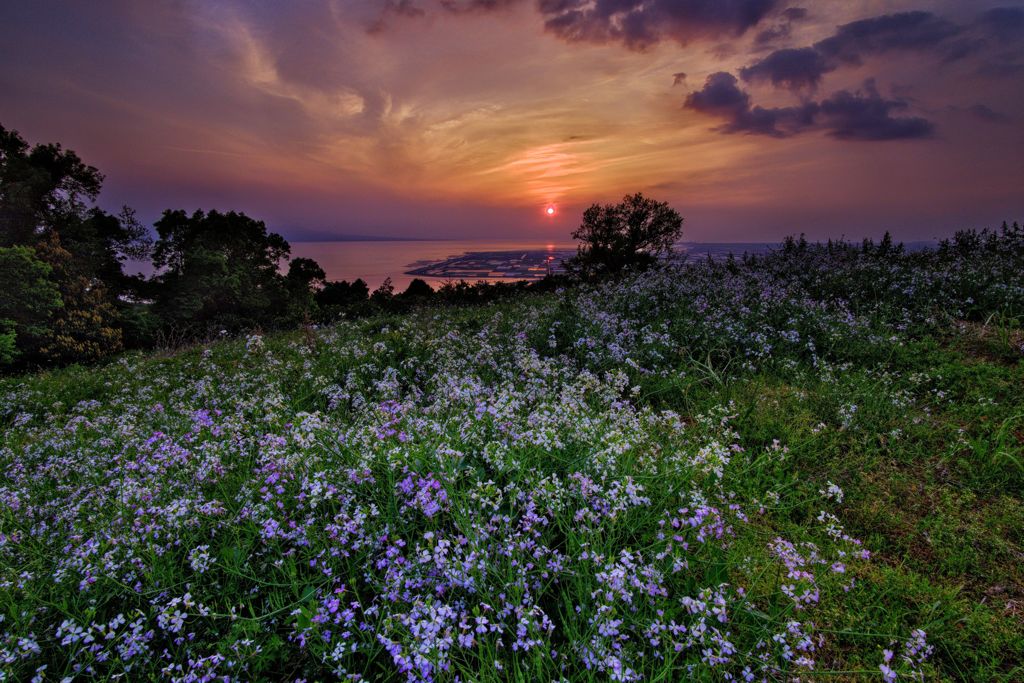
219	271
86	328
629	234
384	293
418	289
336	298
339	294
305	274
40	187
305	278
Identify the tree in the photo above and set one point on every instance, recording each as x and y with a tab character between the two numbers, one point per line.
335	297
418	289
304	279
219	271
87	327
40	188
629	234
29	300
383	295
47	197
306	274
100	242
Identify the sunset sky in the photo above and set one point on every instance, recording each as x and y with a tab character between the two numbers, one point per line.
467	118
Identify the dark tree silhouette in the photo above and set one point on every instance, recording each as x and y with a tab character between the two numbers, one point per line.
305	274
220	271
418	289
340	296
40	187
629	234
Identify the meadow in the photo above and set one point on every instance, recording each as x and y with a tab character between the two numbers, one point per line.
806	465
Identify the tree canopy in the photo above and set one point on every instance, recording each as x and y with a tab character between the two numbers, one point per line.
632	233
47	204
218	270
40	188
28	302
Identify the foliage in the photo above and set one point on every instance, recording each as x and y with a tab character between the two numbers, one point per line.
28	302
219	271
8	342
305	277
40	188
216	273
801	465
418	289
338	296
630	234
85	328
46	197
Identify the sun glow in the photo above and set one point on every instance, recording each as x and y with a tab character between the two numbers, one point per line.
550	211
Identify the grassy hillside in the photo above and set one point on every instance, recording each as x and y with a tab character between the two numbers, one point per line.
807	465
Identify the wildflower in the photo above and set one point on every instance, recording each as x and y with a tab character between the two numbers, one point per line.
199	558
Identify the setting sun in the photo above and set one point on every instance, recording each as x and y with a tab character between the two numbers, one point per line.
550	211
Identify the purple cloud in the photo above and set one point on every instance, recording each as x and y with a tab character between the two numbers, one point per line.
638	24
860	116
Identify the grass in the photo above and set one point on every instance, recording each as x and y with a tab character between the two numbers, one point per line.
589	485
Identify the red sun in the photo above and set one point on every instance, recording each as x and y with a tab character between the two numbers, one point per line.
550	211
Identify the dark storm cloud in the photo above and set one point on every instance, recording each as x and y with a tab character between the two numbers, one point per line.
1001	42
916	31
722	97
804	67
862	116
638	24
404	8
1004	23
987	38
395	8
868	116
793	68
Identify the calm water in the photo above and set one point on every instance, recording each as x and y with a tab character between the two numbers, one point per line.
374	261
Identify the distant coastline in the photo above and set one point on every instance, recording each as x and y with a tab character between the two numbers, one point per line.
401	260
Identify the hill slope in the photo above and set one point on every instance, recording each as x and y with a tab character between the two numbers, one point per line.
807	463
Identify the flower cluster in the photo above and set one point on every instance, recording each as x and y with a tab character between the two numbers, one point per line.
451	495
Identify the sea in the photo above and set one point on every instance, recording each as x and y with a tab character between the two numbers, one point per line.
437	261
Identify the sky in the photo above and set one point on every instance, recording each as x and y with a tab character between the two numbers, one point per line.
755	119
